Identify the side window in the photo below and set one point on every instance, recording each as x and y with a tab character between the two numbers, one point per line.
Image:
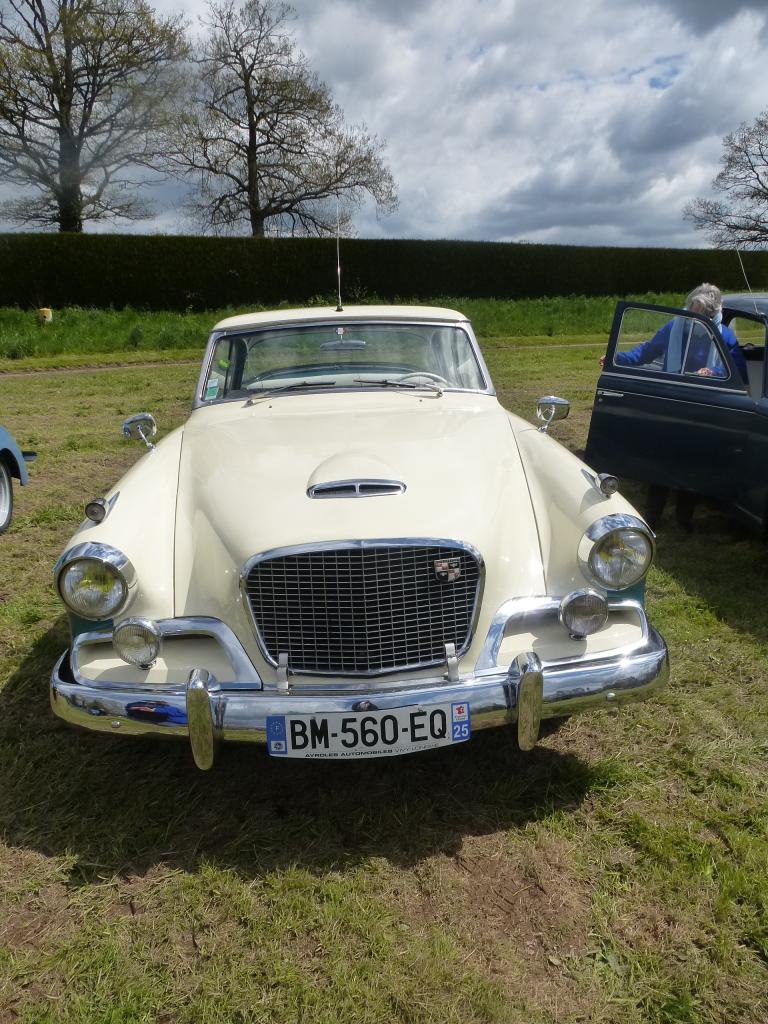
751	335
680	346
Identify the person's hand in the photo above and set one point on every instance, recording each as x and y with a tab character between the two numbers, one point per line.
602	362
706	371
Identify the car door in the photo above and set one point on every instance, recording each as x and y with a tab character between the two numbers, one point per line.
678	419
750	324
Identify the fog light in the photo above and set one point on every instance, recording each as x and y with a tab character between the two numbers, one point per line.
583	612
137	641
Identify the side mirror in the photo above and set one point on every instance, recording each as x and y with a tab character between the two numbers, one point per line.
551	408
140	427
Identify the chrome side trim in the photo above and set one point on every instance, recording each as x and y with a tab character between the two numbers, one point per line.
352	545
676	382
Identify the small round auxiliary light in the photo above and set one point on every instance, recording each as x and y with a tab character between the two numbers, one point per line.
607	483
583	612
96	510
137	641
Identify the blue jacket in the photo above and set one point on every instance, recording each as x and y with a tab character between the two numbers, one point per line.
699	351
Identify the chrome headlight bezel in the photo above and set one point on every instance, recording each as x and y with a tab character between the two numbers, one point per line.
602	532
118	564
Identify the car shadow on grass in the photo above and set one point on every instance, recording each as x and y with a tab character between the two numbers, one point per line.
119	804
717	560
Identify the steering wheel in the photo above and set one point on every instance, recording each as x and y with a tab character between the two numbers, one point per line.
417	375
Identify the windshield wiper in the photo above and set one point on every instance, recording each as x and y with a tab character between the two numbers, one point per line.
296	386
406	385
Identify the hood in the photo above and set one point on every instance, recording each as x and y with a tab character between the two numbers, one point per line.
246	471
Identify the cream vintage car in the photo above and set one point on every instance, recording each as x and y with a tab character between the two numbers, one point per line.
350	549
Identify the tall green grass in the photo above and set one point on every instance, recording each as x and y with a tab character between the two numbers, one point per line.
77	330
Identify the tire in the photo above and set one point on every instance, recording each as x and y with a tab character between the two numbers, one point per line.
6	497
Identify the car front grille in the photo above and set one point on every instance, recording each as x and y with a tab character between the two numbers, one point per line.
364	608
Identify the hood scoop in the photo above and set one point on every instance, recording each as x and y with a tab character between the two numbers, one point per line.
355	473
355	488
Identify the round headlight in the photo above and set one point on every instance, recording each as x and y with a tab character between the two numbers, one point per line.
94	580
616	551
92	588
583	612
137	641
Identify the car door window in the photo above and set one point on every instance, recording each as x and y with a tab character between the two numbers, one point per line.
676	346
751	335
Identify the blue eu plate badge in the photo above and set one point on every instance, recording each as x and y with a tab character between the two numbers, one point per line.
460	722
276	737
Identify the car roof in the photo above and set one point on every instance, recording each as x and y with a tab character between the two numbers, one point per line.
347	314
747	301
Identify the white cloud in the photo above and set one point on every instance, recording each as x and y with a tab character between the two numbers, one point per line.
589	123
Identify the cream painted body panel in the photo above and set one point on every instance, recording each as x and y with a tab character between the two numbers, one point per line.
565	501
245	471
141	524
232	483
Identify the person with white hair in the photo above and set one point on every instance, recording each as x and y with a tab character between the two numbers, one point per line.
680	340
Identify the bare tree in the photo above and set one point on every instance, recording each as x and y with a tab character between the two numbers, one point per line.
267	144
83	85
740	219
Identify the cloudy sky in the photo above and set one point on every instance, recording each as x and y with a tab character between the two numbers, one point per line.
590	122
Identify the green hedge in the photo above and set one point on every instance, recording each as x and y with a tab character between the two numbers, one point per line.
174	272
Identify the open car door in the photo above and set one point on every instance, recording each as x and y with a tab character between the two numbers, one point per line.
671	407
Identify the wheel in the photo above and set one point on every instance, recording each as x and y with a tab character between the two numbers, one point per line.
6	497
423	375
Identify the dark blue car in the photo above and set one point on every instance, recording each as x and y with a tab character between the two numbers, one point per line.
701	426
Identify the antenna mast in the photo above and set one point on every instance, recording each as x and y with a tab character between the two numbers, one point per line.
749	289
339	308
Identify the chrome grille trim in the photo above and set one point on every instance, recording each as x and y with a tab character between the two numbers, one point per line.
356	489
362	608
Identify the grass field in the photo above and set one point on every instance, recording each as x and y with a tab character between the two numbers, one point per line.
618	873
128	333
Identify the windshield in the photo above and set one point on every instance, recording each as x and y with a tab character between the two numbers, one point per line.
336	356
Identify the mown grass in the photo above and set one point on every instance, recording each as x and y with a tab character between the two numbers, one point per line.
615	874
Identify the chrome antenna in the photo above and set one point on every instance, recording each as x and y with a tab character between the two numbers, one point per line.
749	289
339	308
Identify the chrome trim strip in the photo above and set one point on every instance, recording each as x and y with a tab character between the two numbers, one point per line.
352	545
675	382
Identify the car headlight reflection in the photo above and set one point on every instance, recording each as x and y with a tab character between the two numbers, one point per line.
94	580
616	551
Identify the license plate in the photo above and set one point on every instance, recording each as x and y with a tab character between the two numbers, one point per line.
369	734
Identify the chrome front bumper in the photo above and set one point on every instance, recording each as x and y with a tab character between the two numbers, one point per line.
205	710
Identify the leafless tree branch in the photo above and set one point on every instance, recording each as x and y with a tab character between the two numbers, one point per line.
266	146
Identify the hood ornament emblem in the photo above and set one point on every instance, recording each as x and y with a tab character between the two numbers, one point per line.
448	570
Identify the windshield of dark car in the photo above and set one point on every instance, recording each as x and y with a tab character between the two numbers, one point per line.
342	355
